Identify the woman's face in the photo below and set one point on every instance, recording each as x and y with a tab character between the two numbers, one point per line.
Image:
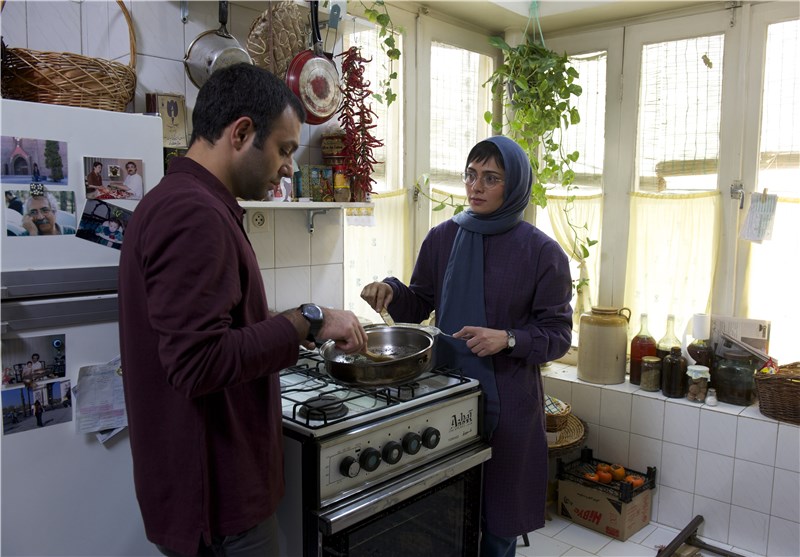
486	193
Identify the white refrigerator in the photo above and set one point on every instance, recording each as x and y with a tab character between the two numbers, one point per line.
63	492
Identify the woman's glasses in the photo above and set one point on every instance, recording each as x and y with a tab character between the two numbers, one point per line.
489	181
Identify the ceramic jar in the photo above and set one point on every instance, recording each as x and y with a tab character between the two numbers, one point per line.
602	345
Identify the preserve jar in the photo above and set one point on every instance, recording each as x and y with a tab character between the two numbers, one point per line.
341	185
733	378
651	374
641	345
673	374
697	377
603	345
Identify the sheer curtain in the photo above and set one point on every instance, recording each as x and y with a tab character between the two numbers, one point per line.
672	253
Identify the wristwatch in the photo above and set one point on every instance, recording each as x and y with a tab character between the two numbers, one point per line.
313	313
512	342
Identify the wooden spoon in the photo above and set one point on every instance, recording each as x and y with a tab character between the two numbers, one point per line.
387	318
376	356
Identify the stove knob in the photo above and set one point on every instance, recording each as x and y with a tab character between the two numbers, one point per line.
392	451
430	437
412	442
350	467
370	459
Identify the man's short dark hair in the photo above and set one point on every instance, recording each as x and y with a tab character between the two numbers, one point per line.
241	90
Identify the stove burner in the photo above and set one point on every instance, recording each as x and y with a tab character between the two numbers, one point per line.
323	407
406	391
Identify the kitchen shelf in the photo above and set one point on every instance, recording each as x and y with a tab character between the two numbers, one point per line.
312	208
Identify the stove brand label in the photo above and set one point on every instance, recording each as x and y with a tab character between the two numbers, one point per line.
461	420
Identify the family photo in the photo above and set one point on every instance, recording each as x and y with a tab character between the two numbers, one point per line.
113	178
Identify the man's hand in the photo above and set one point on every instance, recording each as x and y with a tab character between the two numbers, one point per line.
344	328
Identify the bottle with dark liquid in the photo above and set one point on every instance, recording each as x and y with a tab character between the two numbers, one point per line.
642	345
673	374
700	349
669	340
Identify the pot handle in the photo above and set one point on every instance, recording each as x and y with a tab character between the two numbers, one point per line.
627	317
223	20
317	36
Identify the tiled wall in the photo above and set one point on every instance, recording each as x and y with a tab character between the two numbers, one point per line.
298	267
734	466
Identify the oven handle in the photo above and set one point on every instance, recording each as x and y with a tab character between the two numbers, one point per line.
350	513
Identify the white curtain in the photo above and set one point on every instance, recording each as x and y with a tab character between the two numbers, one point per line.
374	252
447	212
673	241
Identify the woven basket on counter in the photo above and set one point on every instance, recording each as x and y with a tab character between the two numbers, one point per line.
779	393
556	413
70	79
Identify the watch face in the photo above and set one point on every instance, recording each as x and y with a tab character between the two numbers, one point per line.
512	340
312	312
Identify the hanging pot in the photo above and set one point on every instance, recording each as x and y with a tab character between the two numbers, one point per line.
313	78
214	50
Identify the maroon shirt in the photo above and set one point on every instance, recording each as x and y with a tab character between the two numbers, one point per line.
199	356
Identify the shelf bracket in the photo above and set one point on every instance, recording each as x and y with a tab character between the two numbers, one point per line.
311	214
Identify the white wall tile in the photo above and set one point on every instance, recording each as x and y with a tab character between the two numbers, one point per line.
327	285
678	464
654	510
292	240
644	452
262	238
647	416
558	388
157	75
54	26
756	440
13	24
292	287
784	538
615	409
268	276
159	28
717	432
752	485
786	495
714	477
748	530
716	518
674	507
593	437
95	29
586	402
681	423
788	453
614	445
327	241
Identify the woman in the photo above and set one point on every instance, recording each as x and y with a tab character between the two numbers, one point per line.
502	288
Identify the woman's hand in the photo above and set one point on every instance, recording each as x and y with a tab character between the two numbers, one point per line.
377	294
482	341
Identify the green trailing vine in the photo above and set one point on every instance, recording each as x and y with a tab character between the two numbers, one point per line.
378	14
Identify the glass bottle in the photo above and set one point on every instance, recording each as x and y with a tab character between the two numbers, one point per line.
669	339
700	349
673	374
642	345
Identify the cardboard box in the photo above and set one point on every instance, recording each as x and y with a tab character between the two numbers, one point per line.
616	509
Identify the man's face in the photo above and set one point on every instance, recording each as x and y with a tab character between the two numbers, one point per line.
97	169
259	170
131	168
43	216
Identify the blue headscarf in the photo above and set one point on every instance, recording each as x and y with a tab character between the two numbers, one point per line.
463	300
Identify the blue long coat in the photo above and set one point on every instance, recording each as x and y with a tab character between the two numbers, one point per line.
528	290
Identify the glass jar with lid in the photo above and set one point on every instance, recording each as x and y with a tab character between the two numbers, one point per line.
733	377
697	377
651	374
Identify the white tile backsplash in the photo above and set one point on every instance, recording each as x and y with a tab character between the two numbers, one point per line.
678	466
613	445
647	416
327	285
292	287
681	423
644	452
157	75
262	238
752	485
717	432
784	538
586	402
786	495
674	507
14	25
268	276
615	409
788	452
714	477
327	241
159	28
756	440
716	517
44	34
748	530
292	240
562	390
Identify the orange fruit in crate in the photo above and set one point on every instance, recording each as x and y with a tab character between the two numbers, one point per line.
604	477
602	466
634	480
591	476
618	472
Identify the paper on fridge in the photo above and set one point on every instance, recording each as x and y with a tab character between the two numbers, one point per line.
100	398
760	217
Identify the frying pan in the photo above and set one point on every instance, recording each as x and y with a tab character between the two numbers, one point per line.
313	78
412	350
214	50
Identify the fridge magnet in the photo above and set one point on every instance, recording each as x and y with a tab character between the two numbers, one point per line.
31	408
28	160
103	224
113	178
172	109
38	211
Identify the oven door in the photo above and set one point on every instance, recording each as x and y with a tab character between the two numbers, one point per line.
431	511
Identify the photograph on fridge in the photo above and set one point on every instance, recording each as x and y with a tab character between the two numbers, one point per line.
113	178
30	359
35	407
27	161
35	210
103	223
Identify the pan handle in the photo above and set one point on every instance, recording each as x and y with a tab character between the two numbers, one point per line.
317	36
223	19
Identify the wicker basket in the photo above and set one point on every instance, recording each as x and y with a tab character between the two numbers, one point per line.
70	79
556	413
779	393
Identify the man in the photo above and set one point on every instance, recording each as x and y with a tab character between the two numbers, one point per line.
94	181
39	218
133	181
13	202
200	350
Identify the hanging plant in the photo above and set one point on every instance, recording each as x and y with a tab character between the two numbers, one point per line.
378	14
357	120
